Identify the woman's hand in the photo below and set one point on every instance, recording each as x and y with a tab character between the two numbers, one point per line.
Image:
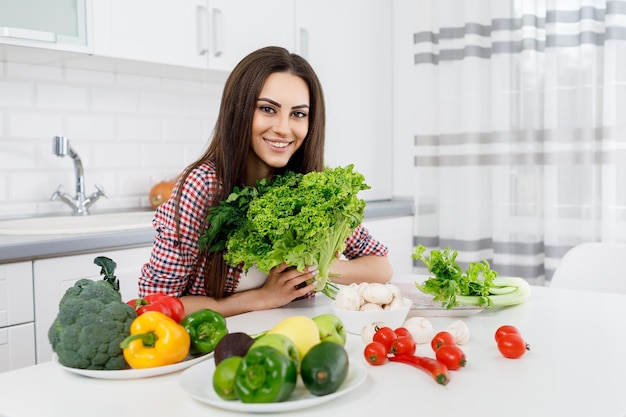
285	283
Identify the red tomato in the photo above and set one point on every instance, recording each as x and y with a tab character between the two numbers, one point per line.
506	329
512	345
403	332
386	336
440	339
403	345
452	356
375	353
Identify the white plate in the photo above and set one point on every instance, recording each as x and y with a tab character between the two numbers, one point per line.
136	373
424	306
197	381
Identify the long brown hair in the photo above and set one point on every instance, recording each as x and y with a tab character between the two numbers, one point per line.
230	143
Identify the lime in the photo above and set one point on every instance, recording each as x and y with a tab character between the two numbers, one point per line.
224	377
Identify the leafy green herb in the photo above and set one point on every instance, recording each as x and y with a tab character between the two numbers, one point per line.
300	219
450	281
229	216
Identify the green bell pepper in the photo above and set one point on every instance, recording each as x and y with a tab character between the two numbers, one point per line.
206	328
265	375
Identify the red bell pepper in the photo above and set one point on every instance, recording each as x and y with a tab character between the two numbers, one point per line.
168	305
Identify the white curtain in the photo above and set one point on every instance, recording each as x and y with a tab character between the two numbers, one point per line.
520	144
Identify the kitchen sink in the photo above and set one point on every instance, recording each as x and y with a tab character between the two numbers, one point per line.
71	225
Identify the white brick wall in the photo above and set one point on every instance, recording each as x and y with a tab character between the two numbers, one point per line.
130	131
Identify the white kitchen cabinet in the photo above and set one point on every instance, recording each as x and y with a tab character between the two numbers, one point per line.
155	31
397	234
17	346
17	335
238	27
60	25
204	34
348	43
52	277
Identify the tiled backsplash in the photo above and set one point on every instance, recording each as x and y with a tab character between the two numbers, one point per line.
130	131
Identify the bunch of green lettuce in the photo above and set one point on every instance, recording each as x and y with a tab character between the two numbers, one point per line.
300	219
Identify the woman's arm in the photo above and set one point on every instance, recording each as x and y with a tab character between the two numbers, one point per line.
370	268
282	286
365	260
172	267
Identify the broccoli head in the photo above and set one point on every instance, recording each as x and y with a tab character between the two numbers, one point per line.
91	323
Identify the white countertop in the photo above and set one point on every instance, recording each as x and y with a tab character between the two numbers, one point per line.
575	367
14	248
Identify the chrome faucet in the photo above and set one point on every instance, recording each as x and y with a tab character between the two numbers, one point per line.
80	203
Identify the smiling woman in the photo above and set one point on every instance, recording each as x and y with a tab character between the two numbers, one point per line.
271	122
279	124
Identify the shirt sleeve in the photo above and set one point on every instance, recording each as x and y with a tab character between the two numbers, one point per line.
362	243
172	268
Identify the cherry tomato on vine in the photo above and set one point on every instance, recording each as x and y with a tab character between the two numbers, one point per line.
512	345
386	336
452	356
375	353
506	329
403	345
402	332
440	339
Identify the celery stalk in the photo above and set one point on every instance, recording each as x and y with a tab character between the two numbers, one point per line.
478	286
517	292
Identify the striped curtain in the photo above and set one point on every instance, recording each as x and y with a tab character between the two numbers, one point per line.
520	133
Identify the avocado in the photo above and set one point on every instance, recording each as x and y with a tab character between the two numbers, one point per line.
324	368
232	344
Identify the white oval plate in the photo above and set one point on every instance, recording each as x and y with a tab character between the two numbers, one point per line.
197	381
438	311
424	306
136	373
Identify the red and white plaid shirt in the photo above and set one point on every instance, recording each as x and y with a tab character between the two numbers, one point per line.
172	266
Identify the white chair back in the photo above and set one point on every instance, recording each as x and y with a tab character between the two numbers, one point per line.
596	266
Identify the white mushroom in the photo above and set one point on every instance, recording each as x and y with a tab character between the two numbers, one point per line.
377	293
395	303
360	287
371	307
460	331
420	328
367	332
348	298
395	290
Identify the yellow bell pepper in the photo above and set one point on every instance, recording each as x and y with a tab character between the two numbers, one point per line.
155	340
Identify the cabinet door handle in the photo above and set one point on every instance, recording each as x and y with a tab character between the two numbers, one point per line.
304	43
202	23
33	35
218	32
